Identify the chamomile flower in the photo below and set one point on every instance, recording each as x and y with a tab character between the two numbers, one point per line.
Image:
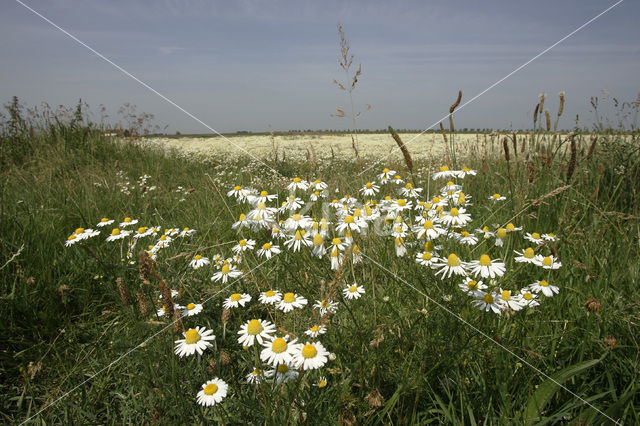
547	262
456	217
118	234
300	238
356	254
255	331
544	287
315	331
444	173
71	240
227	271
212	392
244	245
353	291
428	231
369	189
485	267
263	197
397	179
242	222
283	373
501	235
255	376
525	256
236	299
471	286
268	250
486	233
534	238
318	185
310	356
104	222
497	197
326	306
298	183
466	238
401	249
511	227
297	221
186	232
239	193
161	312
409	191
290	301
386	175
549	237
164	241
321	383
195	340
450	189
488	302
199	261
319	249
192	309
270	297
452	266
278	350
426	258
527	298
465	172
128	222
512	301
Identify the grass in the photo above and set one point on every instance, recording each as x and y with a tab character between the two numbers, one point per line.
400	358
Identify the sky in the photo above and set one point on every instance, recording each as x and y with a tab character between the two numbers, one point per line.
250	64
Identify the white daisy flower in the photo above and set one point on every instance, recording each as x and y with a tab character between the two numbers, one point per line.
310	356
426	258
242	222
315	331
544	287
549	237
512	301
283	373
236	299
528	298
547	262
244	245
466	238
485	267
452	266
409	191
192	309
290	301
456	217
511	227
397	180
486	233
471	286
225	273
465	172
161	312
195	340
104	222
534	238
300	238
321	383
450	188
263	197
401	249
199	261
369	189
164	241
187	232
270	297
497	197
268	250
298	183
212	392
128	222
326	306
386	175
278	350
428	231
255	330
319	250
444	173
255	376
353	291
71	240
318	185
239	193
117	234
488	302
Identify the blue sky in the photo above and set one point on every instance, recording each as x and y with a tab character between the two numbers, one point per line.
245	65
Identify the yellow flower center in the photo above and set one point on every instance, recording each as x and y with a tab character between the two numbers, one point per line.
322	383
502	233
462	199
297	180
242	217
115	231
409	186
242	243
191	336
396	177
315	328
428	246
401	202
266	246
298	236
435	200
428	224
264	193
79	230
527	296
353	288
465	169
235	297
426	256
496	196
270	293
369	185
472	285
355	250
318	240
488	298
71	237
510	227
450	183
309	351
528	253
444	169
210	389
163	238
547	261
465	234
349	219
535	236
127	219
485	260
324	303
254	327
104	219
142	230
453	260
506	295
543	283
282	368
225	269
453	212
191	306
288	298
336	241
185	229
279	345
485	229
551	234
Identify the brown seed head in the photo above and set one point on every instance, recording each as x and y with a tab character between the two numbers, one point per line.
125	296
561	107
178	327
610	341
592	305
226	314
142	304
224	358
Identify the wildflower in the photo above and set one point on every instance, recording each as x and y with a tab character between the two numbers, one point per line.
488	302
426	258
549	237
464	172
242	222
450	188
264	197
255	376
290	301
236	299
255	330
401	249
527	298
268	250
318	185
410	192
104	222
525	256
514	302
452	266
195	340
161	312
397	180
278	350
485	267
501	235
326	306
456	217
315	331
239	192
511	227
497	197
71	239
310	356
283	373
186	232
244	245
444	173
534	238
428	231
298	183
352	223
128	222
319	249
386	175
399	205
164	241
486	233
321	383
466	238
192	309
300	238
213	391
356	254
117	234
270	297
199	261
547	262
225	273
336	258
353	291
471	286
545	288
370	189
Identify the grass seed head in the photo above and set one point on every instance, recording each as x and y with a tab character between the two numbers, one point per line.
125	296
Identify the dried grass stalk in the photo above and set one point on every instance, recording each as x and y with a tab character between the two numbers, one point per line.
572	161
167	300
178	327
403	148
125	296
456	103
142	304
505	146
535	115
547	116
561	107
446	145
592	147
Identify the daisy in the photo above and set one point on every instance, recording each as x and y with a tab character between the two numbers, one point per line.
348	200
290	301
213	391
501	235
511	301
317	195
486	233
452	266
549	237
401	249
356	254
547	262
545	288
192	309
143	231
450	188
400	205
283	373
488	302
456	217
242	222
467	238
511	227
444	173
262	198
298	183
297	221
315	331
199	261
318	185
117	234
244	245
534	238
164	241
321	383
72	239
236	299
278	350
239	192
319	249
187	232
409	191
128	222
195	340
471	286
268	250
297	240
255	376
270	297
105	222
326	306
426	258
497	197
485	267
353	291
397	180
386	175
438	202
369	189
255	330
225	273
336	258
428	231
310	356
161	312
465	172
528	298
352	223
525	256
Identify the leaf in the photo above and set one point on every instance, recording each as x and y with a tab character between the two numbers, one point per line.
548	388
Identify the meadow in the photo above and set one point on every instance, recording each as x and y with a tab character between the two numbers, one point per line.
490	279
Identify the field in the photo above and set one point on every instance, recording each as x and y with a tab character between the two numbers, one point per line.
490	279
